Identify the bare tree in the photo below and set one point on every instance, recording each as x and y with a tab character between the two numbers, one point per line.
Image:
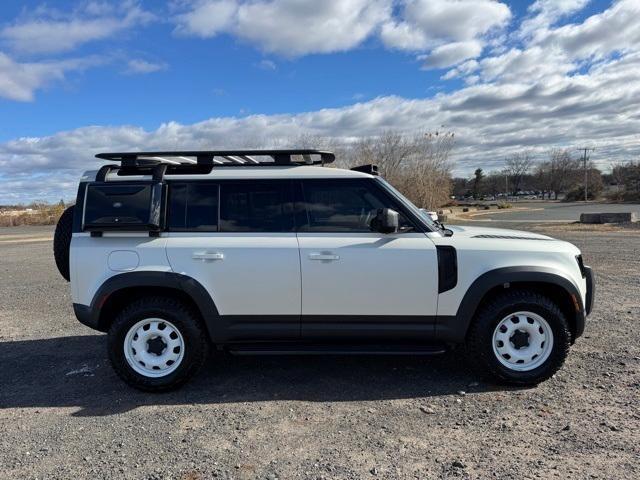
428	176
517	166
562	170
418	165
494	183
390	152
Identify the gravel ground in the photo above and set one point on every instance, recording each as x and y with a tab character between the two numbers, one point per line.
64	413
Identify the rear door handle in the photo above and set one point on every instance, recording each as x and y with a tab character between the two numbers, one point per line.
327	257
208	256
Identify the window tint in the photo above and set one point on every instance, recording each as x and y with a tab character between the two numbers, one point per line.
193	206
256	207
343	205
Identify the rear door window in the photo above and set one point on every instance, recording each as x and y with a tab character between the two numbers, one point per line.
193	207
256	206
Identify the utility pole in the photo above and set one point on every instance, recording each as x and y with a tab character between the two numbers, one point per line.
585	158
506	184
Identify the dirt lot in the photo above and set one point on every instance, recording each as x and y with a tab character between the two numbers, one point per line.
64	414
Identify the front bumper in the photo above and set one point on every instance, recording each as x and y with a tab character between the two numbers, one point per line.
581	317
591	290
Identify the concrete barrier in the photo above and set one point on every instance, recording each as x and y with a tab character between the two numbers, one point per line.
620	217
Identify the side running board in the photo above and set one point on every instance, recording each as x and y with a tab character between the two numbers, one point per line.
329	349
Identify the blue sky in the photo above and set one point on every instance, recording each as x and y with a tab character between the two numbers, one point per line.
77	77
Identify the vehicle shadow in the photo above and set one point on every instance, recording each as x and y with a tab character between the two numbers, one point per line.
75	372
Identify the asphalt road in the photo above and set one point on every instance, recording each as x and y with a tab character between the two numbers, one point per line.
552	211
64	413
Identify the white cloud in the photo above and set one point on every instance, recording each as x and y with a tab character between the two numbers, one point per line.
545	13
267	64
51	31
140	66
454	30
287	27
19	81
464	68
614	30
451	54
207	18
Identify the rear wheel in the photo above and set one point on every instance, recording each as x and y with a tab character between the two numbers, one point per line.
157	344
519	337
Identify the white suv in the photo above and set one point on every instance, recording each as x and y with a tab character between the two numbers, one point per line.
271	251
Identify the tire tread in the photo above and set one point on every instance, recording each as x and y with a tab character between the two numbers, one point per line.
198	347
514	300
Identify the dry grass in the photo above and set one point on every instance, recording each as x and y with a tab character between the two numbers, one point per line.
39	215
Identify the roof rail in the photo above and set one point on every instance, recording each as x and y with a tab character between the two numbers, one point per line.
220	157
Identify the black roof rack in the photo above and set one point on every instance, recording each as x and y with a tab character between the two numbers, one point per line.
220	157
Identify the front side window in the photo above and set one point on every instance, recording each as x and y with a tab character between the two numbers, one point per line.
343	205
256	206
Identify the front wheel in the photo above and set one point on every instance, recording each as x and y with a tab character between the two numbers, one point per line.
156	344
520	338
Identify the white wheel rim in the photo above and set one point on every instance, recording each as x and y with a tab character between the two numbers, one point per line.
154	347
522	341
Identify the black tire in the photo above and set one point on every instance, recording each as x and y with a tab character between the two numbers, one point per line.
196	346
480	336
62	242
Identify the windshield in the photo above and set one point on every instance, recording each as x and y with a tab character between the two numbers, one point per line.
426	218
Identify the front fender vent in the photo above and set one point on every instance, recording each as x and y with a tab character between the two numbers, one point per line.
510	237
447	268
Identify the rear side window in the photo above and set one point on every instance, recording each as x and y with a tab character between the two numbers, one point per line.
256	206
193	207
343	205
127	206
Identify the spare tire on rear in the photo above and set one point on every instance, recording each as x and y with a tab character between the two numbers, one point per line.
62	242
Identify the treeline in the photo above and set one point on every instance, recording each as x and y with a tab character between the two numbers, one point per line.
559	175
625	179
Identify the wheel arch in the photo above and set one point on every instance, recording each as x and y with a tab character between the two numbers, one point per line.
121	289
547	281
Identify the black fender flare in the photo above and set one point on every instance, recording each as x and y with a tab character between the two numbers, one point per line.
454	328
91	315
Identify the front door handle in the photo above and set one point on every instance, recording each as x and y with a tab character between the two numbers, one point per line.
208	256
324	256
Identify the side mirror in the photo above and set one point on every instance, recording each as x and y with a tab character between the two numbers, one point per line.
385	221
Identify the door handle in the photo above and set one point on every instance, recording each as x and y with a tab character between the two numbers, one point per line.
208	256
325	256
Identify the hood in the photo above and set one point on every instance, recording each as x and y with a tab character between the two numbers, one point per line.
496	233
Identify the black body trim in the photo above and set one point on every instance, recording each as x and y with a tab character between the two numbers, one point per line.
368	327
91	315
447	268
304	348
454	328
359	329
78	211
591	289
